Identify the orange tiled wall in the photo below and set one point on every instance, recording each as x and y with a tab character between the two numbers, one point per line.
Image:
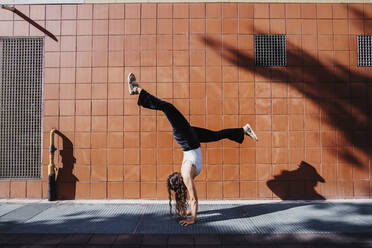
316	112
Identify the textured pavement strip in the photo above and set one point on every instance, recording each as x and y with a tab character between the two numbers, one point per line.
96	224
178	240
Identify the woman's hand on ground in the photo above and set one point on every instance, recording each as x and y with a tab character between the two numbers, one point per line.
186	222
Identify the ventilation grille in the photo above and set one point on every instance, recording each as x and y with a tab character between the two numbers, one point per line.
364	50
270	50
21	65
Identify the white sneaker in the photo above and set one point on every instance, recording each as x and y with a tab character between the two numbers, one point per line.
248	131
132	85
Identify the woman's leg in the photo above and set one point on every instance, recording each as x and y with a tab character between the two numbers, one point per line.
176	119
234	134
182	131
206	135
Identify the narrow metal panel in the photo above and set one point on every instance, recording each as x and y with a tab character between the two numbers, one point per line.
21	73
270	50
364	50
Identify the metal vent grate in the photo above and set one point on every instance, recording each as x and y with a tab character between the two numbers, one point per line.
21	71
364	50
270	50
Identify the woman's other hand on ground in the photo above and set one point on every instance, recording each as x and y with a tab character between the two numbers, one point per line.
186	222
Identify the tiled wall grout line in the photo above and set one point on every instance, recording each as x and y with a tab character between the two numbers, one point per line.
75	85
302	97
223	110
173	66
189	53
124	90
271	112
140	110
156	62
205	97
287	102
91	108
320	112
59	84
238	97
255	108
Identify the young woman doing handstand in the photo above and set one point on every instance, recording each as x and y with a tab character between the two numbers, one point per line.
189	138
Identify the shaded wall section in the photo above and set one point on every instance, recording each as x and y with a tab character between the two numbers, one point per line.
313	117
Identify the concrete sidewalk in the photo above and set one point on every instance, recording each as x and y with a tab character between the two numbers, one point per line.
220	224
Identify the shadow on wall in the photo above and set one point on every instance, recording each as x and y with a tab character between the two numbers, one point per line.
343	93
66	180
297	184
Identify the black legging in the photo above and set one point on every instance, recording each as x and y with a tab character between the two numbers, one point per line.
187	137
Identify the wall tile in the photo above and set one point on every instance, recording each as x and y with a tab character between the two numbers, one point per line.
230	172
5	189
324	10
229	10
18	189
69	11
248	190
165	10
132	10
52	12
148	173
99	190
100	11
277	10
309	27
214	190
85	11
98	173
340	10
180	10
231	190
131	190
115	156
308	11
148	190
115	190
213	10
131	173
261	10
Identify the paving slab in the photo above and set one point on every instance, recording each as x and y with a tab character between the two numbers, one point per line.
76	239
155	239
181	239
208	239
129	239
102	239
6	208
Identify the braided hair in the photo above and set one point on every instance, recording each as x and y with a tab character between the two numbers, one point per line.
175	183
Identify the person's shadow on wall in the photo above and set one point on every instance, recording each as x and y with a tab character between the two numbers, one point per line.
66	180
298	184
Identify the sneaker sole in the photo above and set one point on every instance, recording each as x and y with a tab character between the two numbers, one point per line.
252	134
130	87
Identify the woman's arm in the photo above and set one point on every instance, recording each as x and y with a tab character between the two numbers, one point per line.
187	172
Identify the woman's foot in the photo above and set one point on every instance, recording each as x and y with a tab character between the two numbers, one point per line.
248	131
133	86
